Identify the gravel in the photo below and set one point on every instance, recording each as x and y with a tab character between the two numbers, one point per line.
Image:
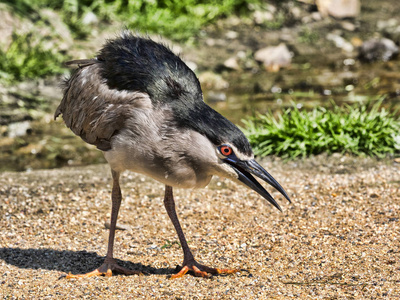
339	239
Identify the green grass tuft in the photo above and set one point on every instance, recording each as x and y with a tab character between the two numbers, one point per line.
350	129
176	19
26	59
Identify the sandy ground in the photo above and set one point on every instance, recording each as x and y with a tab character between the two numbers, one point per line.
339	239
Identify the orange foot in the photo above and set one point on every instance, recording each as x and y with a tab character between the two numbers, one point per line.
106	269
200	270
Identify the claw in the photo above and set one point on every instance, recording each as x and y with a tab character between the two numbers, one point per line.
181	273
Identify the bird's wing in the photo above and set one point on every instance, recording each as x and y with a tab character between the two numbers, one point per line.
92	110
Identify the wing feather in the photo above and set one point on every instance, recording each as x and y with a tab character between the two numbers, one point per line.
95	112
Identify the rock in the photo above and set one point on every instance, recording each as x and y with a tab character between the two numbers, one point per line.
191	64
340	42
383	25
395	35
210	42
274	58
19	129
89	18
356	41
231	35
349	26
232	63
216	42
123	227
210	80
261	17
339	8
378	49
295	12
316	16
213	96
233	21
390	29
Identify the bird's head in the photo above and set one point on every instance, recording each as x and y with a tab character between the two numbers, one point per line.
240	167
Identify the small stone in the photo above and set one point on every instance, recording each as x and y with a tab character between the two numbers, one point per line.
348	26
340	42
339	8
89	18
192	65
18	129
232	63
274	58
210	80
213	96
384	24
231	35
260	17
123	227
378	49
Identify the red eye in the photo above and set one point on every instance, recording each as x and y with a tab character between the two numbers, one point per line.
226	150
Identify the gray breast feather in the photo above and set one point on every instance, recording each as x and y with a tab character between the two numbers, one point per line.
95	112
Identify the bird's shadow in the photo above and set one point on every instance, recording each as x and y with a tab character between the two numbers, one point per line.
75	262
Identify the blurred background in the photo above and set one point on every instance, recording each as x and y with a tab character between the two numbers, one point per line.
300	77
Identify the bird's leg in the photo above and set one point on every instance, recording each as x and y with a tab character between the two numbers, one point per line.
110	264
189	263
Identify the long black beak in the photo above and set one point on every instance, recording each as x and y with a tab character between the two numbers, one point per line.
244	168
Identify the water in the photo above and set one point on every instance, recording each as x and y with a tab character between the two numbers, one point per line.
346	82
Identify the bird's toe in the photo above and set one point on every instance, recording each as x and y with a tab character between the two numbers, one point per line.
200	270
107	270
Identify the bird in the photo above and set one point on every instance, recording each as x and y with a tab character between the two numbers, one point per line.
143	107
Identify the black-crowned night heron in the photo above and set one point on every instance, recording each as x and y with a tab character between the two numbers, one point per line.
143	107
